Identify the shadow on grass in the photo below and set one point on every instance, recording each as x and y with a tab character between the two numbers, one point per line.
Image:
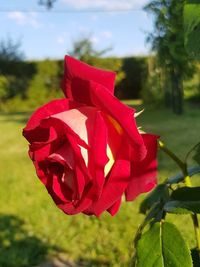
93	263
59	262
17	247
81	262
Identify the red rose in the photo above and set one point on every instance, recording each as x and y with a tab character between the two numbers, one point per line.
86	148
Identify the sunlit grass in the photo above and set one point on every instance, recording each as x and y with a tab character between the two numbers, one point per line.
30	220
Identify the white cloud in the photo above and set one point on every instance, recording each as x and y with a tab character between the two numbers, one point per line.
19	17
60	40
94	39
84	30
99	36
51	26
94	17
106	34
106	4
24	19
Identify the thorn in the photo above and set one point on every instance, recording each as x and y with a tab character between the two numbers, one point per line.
138	113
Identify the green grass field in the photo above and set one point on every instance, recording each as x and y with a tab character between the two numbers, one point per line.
33	229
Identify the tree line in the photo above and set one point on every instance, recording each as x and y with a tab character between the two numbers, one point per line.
157	78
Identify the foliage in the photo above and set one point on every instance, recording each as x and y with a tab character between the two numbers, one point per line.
46	81
35	83
197	153
47	3
10	51
152	92
39	81
25	85
192	28
174	196
3	87
15	73
162	245
136	73
168	41
83	49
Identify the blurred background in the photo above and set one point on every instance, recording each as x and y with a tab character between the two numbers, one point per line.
143	41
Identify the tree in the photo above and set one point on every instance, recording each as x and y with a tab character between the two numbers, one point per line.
47	3
84	50
168	41
10	50
14	71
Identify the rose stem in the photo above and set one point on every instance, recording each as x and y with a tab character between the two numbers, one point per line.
187	181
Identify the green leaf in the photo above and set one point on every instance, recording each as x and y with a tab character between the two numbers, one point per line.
159	194
162	246
194	150
195	257
186	194
192	28
193	170
193	1
175	179
182	207
175	250
155	214
179	177
149	248
184	200
197	154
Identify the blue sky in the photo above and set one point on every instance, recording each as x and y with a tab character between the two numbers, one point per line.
50	34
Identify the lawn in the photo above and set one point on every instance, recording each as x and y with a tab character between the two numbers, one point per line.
33	229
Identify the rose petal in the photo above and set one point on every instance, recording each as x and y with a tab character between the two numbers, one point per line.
71	209
40	171
114	142
77	69
97	155
87	122
39	137
77	119
124	115
64	155
120	115
115	207
60	190
51	108
113	189
81	180
87	149
143	174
